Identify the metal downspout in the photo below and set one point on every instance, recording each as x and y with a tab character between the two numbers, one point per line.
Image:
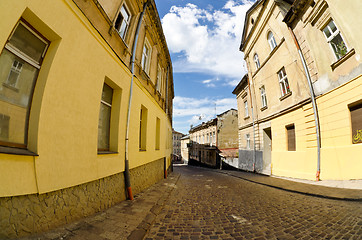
166	99
252	117
126	170
314	104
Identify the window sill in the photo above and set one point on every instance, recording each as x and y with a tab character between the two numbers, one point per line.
343	59
285	96
142	150
263	108
246	117
16	151
106	152
11	87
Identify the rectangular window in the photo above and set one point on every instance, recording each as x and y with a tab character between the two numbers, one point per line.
356	121
335	40
246	109
104	123
283	82
247	137
158	129
159	79
146	56
122	22
291	137
263	97
20	62
143	128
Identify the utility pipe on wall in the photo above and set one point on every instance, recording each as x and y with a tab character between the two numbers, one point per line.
166	106
314	104
126	170
252	117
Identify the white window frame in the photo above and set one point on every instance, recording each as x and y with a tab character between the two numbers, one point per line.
16	70
264	102
124	25
256	61
332	36
271	40
146	56
159	78
246	109
283	82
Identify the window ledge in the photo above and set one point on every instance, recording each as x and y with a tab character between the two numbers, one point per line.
17	151
246	117
343	59
142	150
263	108
10	87
285	96
106	152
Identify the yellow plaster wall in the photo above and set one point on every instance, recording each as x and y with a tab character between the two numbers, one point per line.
63	125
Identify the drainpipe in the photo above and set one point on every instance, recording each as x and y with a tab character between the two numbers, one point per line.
126	170
252	117
166	106
314	104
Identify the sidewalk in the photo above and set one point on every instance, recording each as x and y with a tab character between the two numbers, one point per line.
126	220
341	190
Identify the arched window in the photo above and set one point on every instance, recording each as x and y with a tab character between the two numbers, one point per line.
256	61
271	40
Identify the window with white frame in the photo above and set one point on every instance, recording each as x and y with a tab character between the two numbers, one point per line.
263	96
20	62
104	122
247	137
246	109
159	78
214	138
122	21
283	82
271	40
146	56
256	61
335	40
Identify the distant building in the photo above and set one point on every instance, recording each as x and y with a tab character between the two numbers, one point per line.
300	105
176	143
184	148
214	139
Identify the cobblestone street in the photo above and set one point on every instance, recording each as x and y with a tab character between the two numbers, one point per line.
209	205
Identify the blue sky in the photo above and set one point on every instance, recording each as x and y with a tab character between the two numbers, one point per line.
203	38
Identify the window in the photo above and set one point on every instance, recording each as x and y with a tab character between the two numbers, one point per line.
291	137
104	123
271	40
335	39
214	138
256	61
263	97
283	82
146	55
122	22
246	110
20	62
143	128
159	79
247	137
356	120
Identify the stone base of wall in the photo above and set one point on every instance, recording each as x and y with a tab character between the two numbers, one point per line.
29	214
246	160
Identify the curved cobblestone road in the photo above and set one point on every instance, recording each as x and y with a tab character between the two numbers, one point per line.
209	205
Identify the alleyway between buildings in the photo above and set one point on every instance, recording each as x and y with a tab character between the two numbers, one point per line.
198	203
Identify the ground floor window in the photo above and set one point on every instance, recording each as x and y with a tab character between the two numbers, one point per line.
291	137
356	121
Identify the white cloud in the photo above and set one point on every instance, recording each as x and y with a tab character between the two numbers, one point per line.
207	39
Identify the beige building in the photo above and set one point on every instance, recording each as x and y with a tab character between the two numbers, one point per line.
214	139
184	148
299	105
85	108
176	142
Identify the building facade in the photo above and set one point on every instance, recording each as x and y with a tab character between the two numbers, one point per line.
69	72
176	142
214	139
299	60
184	149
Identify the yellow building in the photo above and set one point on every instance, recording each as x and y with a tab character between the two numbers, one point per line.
303	89
85	105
